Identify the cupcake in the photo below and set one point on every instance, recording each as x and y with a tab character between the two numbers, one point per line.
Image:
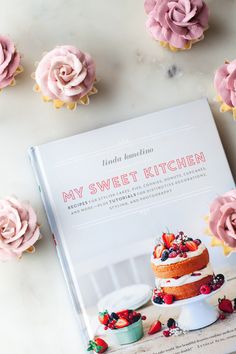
19	229
177	24
222	222
9	62
66	76
225	84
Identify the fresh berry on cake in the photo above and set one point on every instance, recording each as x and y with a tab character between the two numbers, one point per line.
182	269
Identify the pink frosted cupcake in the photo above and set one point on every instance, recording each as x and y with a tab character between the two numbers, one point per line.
225	85
9	62
66	76
222	222
177	24
19	229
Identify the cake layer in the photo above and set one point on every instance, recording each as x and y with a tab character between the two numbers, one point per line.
187	290
185	279
182	267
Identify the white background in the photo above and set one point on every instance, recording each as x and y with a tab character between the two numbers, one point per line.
36	314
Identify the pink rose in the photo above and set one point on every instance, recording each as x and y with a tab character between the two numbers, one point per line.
222	220
18	228
176	21
225	83
9	61
65	73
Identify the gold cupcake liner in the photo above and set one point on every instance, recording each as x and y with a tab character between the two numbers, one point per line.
225	108
18	71
187	46
30	250
69	105
215	242
174	49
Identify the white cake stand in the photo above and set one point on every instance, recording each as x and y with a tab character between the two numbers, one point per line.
196	312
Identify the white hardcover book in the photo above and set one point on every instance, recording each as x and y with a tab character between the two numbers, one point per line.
108	193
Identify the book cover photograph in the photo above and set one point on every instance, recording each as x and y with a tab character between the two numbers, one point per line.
142	213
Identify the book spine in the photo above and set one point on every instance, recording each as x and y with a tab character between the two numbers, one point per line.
37	169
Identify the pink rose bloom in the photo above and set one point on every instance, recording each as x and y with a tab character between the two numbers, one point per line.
176	21
65	73
225	83
9	61
18	228
222	220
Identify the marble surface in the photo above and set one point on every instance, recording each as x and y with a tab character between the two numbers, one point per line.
137	76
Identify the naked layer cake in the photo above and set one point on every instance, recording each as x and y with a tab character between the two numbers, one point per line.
182	268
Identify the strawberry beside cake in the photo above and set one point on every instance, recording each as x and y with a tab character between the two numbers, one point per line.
182	269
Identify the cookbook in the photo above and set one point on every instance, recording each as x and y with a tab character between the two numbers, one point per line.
110	195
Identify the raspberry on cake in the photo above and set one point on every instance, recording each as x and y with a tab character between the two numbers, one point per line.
181	266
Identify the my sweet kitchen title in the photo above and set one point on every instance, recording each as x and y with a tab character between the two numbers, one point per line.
133	176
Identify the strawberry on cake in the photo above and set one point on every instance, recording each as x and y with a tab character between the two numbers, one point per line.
182	269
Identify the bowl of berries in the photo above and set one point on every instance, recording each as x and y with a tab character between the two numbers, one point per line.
126	325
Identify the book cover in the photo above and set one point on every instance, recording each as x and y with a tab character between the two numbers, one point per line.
111	192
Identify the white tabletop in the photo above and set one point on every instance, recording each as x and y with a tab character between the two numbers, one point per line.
36	315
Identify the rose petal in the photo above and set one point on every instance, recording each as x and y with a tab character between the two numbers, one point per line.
203	16
194	32
2	57
155	29
181	31
233	98
229	226
225	93
187	5
177	16
190	15
231	80
21	232
174	39
14	64
149	5
15	244
220	74
159	12
27	243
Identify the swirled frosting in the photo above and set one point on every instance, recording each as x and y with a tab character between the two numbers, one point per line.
176	21
19	229
225	83
9	61
66	74
222	219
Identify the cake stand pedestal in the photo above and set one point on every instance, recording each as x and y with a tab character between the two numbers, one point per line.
195	312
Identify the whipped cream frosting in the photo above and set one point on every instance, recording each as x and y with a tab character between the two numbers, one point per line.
185	279
158	261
